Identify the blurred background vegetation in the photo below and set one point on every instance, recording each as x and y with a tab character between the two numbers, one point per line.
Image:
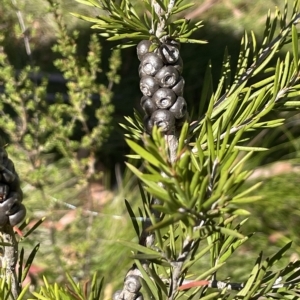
86	215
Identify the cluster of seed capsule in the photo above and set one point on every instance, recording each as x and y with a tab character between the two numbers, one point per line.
12	211
162	86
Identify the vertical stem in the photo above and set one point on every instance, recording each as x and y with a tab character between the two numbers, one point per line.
148	238
172	142
24	29
10	257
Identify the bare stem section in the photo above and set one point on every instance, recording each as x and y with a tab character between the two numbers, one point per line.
10	257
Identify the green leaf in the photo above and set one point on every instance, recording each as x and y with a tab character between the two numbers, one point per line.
23	292
249	283
150	286
177	9
89	3
29	261
231	247
138	247
210	139
158	191
34	227
241	212
192	41
249	190
146	256
75	286
197	257
276	257
136	35
39	296
207	89
209	272
161	285
85	18
144	153
231	232
166	222
295	41
249	199
96	287
211	296
132	218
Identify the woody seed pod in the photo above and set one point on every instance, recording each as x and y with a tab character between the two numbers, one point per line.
179	108
163	119
18	215
170	53
167	76
148	85
116	295
148	105
179	86
139	296
151	63
11	209
4	190
4	210
174	43
143	48
148	124
132	284
141	72
164	98
178	65
179	122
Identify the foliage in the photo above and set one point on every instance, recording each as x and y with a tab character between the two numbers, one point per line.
71	291
203	200
122	21
55	140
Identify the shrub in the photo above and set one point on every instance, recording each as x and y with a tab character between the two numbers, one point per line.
190	173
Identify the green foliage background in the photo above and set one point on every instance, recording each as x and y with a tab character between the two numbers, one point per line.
95	237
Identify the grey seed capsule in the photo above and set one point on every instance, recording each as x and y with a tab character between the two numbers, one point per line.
163	119
8	171
179	87
169	53
3	156
148	124
173	43
167	76
141	72
151	63
116	295
164	98
178	65
143	48
179	122
4	191
19	215
148	105
3	219
148	85
5	209
139	296
132	284
179	108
